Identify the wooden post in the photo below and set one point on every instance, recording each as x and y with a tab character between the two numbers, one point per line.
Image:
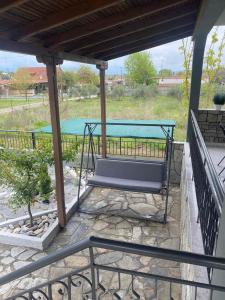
102	69
51	63
196	77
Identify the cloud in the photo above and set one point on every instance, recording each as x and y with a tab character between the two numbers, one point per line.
165	56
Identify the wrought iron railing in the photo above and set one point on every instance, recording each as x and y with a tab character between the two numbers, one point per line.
209	191
89	282
115	146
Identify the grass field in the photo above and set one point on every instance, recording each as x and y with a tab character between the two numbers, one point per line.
159	107
8	103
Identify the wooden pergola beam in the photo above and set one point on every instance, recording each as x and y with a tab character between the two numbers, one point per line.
51	63
185	23
8	4
132	27
81	9
102	69
196	77
106	23
32	49
209	13
148	45
133	46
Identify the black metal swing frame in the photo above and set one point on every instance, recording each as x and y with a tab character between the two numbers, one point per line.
167	129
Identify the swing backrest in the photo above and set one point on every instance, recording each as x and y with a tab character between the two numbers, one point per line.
133	170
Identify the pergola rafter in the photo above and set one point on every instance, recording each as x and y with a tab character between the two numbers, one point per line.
114	20
77	11
145	44
132	27
8	4
170	27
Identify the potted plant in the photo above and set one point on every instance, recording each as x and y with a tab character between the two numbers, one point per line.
219	99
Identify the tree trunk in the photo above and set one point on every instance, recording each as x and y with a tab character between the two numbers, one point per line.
30	215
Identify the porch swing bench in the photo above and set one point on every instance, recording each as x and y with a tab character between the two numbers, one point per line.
137	176
144	176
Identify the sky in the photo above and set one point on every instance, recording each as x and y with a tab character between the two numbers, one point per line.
166	56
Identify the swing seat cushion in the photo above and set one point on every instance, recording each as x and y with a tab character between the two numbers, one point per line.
129	175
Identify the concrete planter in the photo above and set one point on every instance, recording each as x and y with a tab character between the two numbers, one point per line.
218	107
35	242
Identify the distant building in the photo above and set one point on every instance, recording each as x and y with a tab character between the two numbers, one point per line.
37	78
110	83
166	83
4	87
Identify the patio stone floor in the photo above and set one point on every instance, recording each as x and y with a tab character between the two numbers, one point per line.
83	225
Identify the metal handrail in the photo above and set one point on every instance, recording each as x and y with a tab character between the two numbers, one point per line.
215	184
131	124
16	131
132	248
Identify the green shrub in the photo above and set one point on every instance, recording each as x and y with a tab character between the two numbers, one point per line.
175	92
144	91
45	187
118	92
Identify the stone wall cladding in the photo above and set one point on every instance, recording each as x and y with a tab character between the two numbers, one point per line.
208	120
176	163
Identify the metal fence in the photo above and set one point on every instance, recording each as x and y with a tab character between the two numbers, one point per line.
89	282
115	146
209	191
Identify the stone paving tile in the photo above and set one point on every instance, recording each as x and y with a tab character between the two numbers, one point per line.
125	203
83	225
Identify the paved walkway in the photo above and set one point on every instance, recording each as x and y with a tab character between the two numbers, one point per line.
81	226
20	107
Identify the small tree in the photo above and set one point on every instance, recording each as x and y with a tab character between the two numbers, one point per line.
22	81
20	173
118	92
66	80
85	75
140	69
186	50
26	173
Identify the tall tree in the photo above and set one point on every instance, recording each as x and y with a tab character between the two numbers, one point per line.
186	50
85	75
140	69
66	81
22	81
213	67
165	72
213	63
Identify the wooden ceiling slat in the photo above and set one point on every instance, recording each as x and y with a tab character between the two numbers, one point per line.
134	27
120	18
8	4
147	41
64	16
101	32
129	39
146	46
